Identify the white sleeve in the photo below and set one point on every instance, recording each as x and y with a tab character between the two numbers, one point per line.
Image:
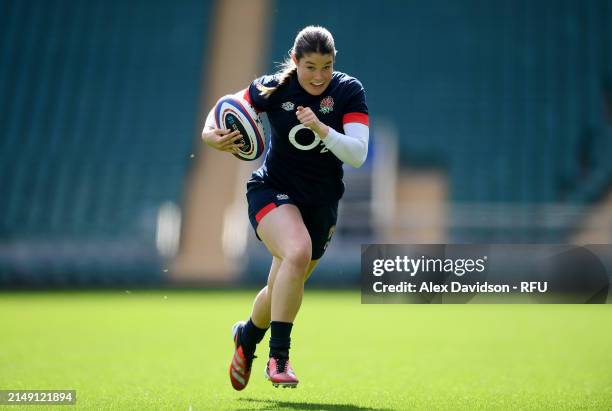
352	147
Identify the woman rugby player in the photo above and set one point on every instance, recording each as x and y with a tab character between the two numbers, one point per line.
319	120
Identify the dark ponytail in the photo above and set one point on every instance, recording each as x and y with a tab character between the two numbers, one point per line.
287	69
311	39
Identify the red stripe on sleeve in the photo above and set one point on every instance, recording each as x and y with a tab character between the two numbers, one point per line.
262	213
247	96
356	118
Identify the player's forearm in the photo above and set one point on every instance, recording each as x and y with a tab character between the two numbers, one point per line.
322	130
352	147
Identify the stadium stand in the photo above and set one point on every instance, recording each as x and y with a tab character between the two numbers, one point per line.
477	86
99	103
99	108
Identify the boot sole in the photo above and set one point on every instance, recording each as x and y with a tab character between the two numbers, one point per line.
280	384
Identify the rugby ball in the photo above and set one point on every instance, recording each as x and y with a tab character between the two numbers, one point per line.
235	113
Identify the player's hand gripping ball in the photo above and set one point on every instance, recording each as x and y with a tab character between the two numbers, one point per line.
236	114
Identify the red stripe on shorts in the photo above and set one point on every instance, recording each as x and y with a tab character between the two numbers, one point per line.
356	118
262	213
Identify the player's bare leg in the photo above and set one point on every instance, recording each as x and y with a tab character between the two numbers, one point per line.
261	314
284	234
247	334
260	319
286	237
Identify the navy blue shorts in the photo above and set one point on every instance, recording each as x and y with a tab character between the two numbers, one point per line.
320	221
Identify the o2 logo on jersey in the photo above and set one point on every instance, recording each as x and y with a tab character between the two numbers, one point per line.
305	147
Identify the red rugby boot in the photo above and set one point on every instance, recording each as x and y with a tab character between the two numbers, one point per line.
280	373
240	368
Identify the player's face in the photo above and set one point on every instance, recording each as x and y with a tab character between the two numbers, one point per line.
314	72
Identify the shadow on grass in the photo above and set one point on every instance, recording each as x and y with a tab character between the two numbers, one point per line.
292	405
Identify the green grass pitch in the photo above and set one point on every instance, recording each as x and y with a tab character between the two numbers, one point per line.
171	350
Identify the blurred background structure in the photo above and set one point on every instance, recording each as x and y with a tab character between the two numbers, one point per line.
491	123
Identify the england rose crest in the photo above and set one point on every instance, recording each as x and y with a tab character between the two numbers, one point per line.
327	105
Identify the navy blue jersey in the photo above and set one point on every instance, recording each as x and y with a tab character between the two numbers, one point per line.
297	162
